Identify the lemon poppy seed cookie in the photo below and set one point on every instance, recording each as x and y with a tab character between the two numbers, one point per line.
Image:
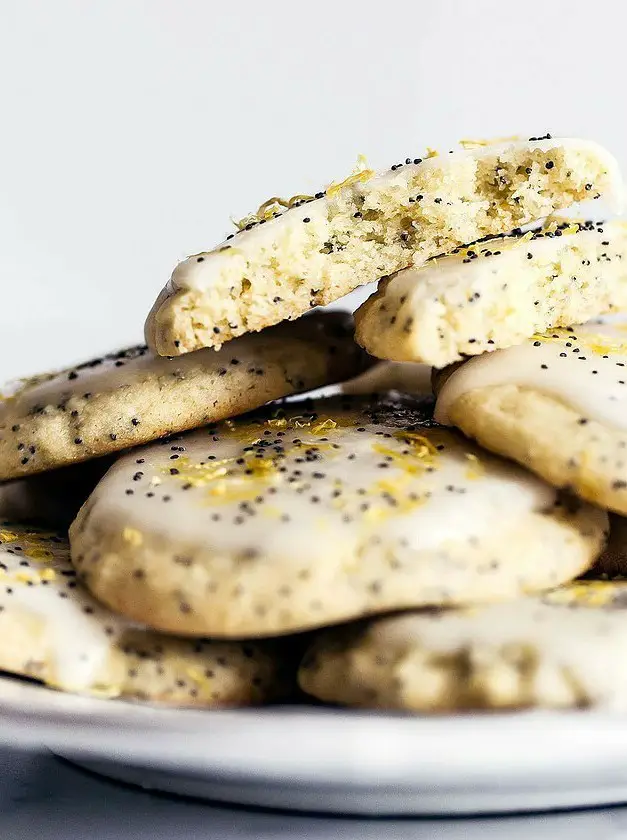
556	404
52	630
497	292
312	250
132	397
318	512
565	648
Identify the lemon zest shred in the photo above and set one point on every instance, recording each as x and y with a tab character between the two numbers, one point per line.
37	553
361	173
277	423
323	426
475	468
132	536
481	142
422	446
593	593
594	342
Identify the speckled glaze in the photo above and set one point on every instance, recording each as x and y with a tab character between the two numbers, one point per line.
564	648
312	250
497	292
52	629
133	396
555	404
320	511
585	367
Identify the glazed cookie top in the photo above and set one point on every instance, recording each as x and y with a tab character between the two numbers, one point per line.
584	367
497	292
314	478
524	620
133	396
53	630
37	577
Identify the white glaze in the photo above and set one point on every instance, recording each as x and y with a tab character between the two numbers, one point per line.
487	493
443	275
142	366
599	396
580	628
78	642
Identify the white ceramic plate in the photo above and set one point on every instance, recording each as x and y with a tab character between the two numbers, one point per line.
333	760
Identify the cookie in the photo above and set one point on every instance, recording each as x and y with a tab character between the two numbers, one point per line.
402	377
556	404
497	293
53	631
133	396
311	250
566	648
317	512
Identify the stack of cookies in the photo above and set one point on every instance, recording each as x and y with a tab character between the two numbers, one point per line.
381	549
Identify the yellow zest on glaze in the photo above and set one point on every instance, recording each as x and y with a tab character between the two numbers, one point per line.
277	423
422	447
30	541
414	463
269	209
552	223
594	342
480	143
34	577
260	467
323	426
475	468
38	553
431	153
360	173
392	486
132	536
592	593
198	475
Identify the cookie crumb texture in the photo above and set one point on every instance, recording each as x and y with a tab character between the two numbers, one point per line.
497	292
323	247
317	512
556	404
566	648
132	397
53	631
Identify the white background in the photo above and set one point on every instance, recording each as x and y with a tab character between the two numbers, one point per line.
131	130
